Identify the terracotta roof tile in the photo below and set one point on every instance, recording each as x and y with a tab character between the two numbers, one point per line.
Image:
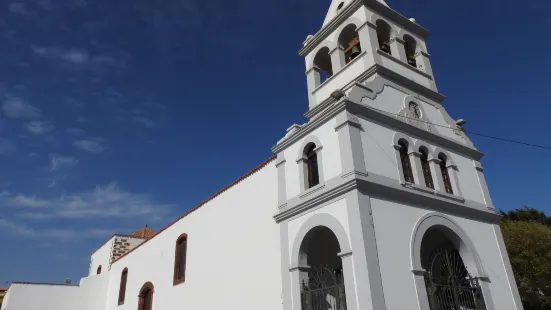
145	232
246	175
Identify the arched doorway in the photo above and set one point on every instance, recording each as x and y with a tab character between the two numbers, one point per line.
322	282
449	284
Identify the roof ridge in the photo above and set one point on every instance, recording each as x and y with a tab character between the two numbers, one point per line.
243	177
43	283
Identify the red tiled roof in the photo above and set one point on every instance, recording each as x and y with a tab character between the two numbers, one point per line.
145	233
248	174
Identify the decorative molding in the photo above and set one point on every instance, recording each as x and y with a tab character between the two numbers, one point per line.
389	189
391	121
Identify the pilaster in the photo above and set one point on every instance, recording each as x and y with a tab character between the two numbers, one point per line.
349	129
281	180
423	64
369	285
484	185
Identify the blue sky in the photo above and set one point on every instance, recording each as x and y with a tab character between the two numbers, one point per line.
117	114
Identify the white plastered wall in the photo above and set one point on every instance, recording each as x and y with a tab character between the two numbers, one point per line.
233	254
394	225
101	257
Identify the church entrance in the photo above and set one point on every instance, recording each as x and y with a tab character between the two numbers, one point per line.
449	285
322	286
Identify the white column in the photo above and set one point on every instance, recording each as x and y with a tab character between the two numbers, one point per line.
434	164
338	60
397	48
368	39
313	80
415	159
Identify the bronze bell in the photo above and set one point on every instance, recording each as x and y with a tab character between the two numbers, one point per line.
355	51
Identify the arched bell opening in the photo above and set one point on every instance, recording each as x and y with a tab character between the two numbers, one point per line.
383	36
349	41
449	284
322	281
410	46
322	61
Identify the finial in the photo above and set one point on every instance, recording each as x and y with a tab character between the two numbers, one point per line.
146	226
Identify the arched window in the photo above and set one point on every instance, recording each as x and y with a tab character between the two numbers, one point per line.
445	174
122	287
98	271
145	301
323	62
180	260
426	168
406	163
410	46
383	36
349	41
340	6
312	166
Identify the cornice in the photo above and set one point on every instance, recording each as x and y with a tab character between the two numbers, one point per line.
360	109
388	189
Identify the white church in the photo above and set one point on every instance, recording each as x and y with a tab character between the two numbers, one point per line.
378	202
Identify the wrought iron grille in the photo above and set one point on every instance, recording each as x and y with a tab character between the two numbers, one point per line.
449	285
324	290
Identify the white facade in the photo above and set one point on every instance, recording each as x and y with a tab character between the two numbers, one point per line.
378	190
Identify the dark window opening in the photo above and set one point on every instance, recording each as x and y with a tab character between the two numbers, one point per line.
98	271
340	6
410	46
312	166
180	260
383	36
406	163
122	288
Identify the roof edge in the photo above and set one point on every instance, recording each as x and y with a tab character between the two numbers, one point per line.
245	176
44	283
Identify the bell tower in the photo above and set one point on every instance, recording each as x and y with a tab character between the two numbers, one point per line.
380	183
358	39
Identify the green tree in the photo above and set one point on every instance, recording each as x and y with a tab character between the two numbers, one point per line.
527	235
